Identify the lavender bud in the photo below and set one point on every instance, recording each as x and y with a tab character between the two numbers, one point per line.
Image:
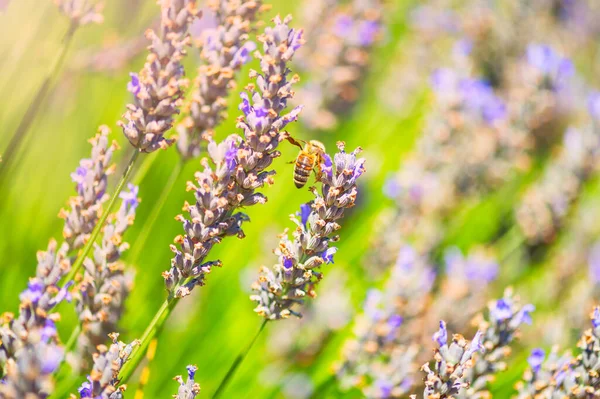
224	50
451	363
91	182
188	389
159	87
240	164
280	290
100	295
506	315
108	361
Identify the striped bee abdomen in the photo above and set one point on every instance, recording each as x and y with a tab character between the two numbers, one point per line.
304	165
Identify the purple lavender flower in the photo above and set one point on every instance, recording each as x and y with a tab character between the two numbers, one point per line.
555	67
100	295
441	336
224	51
449	372
130	198
236	176
367	32
108	361
536	359
279	292
187	389
594	105
134	84
160	86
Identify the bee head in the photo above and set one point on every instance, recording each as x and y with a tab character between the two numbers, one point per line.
315	146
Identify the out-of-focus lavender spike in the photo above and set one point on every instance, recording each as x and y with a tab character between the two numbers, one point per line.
545	376
380	358
102	381
566	376
281	289
499	329
29	374
336	57
463	291
240	164
159	87
224	50
33	329
452	361
100	295
91	182
547	203
81	12
187	389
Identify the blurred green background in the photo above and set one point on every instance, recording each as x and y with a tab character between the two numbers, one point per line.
210	327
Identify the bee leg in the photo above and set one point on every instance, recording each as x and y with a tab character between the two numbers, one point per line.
294	142
318	172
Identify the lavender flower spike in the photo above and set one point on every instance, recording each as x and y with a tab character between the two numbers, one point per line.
102	381
240	164
30	338
224	51
188	389
100	295
506	315
285	286
29	374
81	12
160	86
452	361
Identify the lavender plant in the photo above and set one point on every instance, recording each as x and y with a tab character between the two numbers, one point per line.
381	355
101	293
159	87
187	389
224	50
451	362
565	376
280	290
240	163
158	91
337	57
102	383
30	350
545	205
240	168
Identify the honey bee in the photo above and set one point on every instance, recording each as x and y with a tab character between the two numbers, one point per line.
309	158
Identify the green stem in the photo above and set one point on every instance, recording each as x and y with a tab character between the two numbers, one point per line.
140	243
90	243
237	362
73	339
34	107
323	387
151	332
